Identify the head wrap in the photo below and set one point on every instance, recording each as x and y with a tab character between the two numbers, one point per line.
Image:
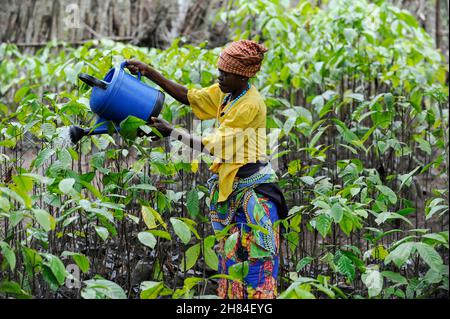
243	57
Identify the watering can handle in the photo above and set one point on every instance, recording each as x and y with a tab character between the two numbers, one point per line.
124	64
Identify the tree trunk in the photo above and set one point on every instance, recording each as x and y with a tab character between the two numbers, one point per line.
153	23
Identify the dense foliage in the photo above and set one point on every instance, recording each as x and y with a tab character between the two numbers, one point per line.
357	97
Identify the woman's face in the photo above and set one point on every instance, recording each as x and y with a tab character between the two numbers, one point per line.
229	82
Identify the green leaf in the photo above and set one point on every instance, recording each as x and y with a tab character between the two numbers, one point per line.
43	156
192	226
211	258
389	100
193	204
346	267
129	127
434	276
289	124
71	75
407	178
356	96
149	218
406	211
346	133
4	204
350	34
91	188
48	130
429	255
382	217
128	53
302	293
192	254
81	260
151	289
346	225
433	208
373	281
14	289
424	145
318	102
64	157
13	194
22	186
102	232
284	74
39	178
395	277
294	167
44	219
379	252
323	224
210	241
387	192
181	229
160	233
31	259
21	93
437	238
25	183
56	266
337	212
102	289
316	137
8	253
368	133
239	270
258	228
308	180
146	187
66	185
408	18
230	243
416	97
302	263
400	254
147	239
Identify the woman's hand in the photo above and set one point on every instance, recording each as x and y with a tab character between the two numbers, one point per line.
163	127
136	66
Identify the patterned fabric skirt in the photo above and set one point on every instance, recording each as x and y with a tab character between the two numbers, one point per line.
261	279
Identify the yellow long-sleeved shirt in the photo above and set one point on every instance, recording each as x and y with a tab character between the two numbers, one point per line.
239	137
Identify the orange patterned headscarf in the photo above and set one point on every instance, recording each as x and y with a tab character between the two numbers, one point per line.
243	57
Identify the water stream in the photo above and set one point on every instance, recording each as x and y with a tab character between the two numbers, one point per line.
63	138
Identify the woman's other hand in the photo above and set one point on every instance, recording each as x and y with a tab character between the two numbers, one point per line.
163	127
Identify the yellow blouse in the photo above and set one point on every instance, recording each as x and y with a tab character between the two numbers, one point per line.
239	136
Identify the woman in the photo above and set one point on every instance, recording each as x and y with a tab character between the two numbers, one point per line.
242	190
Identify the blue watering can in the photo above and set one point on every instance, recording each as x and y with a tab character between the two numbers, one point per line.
117	96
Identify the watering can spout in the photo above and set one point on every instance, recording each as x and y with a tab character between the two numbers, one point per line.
91	81
77	133
101	127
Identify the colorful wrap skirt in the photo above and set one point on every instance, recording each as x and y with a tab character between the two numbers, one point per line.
258	266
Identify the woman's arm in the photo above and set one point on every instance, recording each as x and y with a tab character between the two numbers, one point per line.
177	91
166	129
190	140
